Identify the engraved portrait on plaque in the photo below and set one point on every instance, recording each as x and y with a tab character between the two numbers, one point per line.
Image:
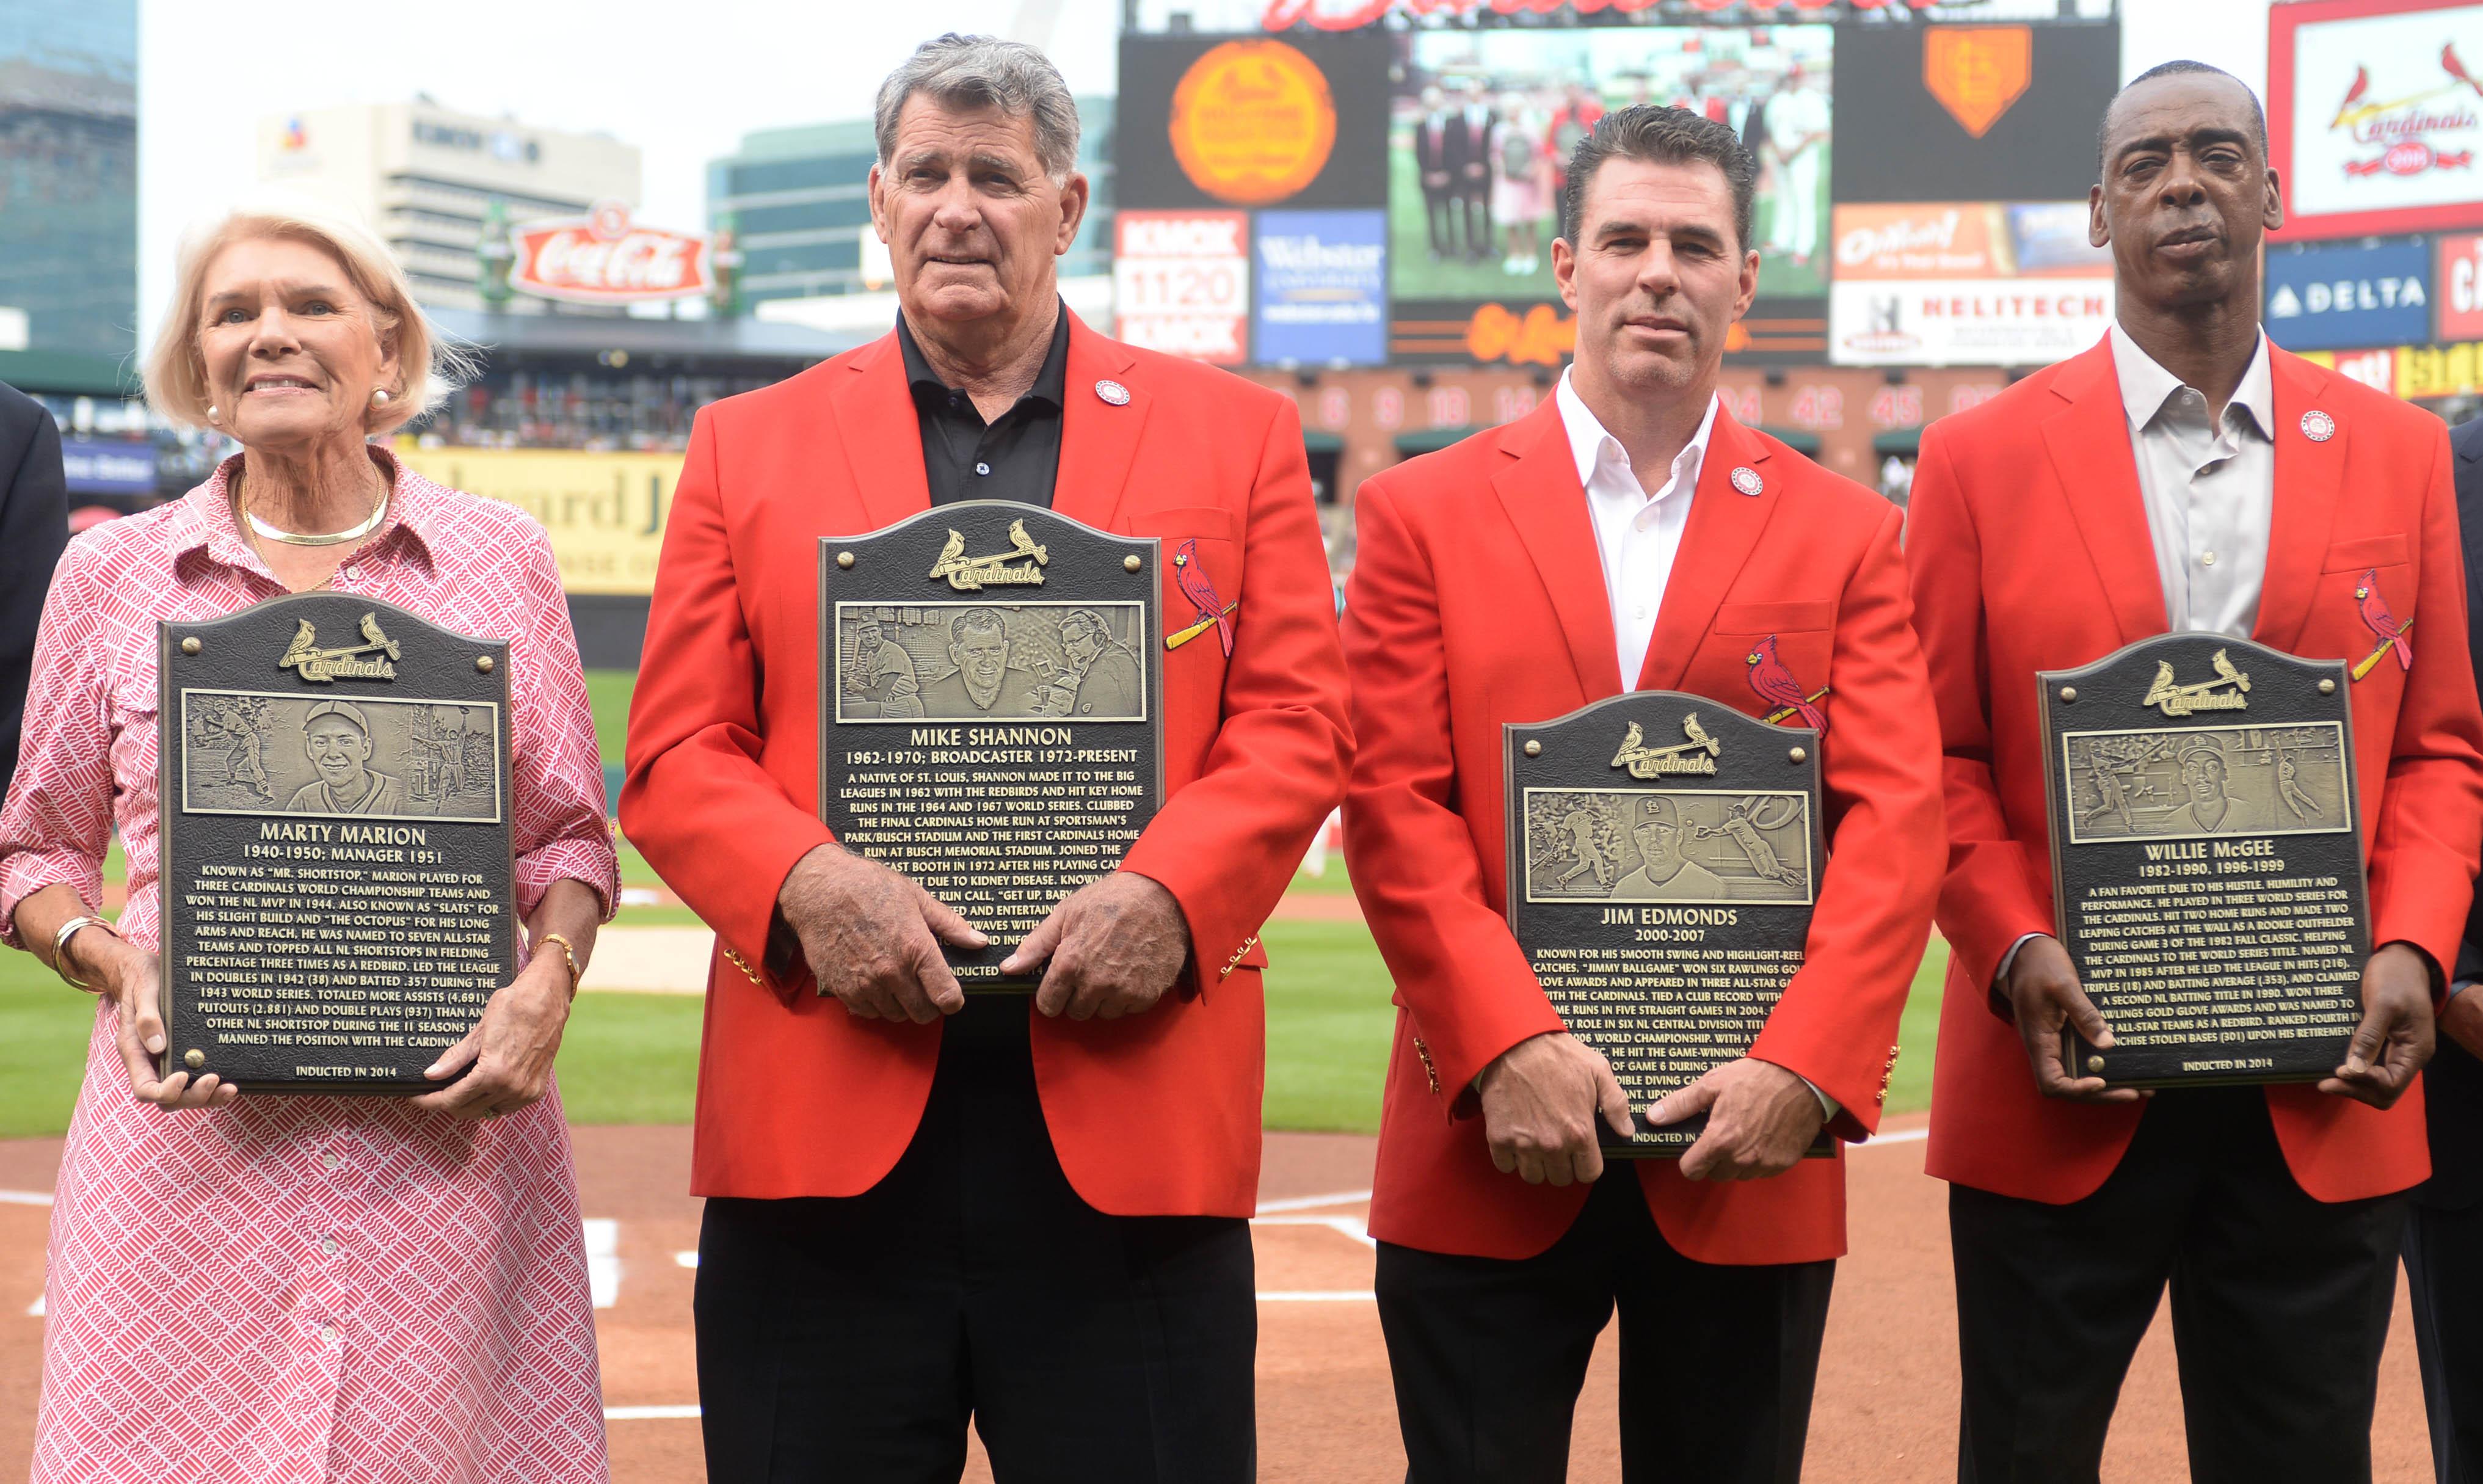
337	866
991	717
1664	859
2206	859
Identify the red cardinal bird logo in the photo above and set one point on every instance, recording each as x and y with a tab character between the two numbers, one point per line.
1196	586
2383	625
1776	684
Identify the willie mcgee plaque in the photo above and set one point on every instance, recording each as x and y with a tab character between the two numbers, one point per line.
337	847
1664	858
991	717
2207	860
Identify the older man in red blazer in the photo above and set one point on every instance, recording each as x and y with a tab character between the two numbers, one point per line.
2184	476
924	1210
1628	532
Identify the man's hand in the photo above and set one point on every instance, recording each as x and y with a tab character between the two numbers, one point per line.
1540	1101
2396	1037
1760	1118
2044	997
1115	945
2463	1020
872	938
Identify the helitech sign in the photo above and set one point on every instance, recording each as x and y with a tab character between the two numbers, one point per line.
1351	15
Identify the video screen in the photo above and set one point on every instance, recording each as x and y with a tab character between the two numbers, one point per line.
1481	125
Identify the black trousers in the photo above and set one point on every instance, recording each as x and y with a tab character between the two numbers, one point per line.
2279	1306
2443	1258
1489	1355
849	1340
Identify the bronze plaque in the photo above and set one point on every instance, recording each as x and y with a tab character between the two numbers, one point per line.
2207	860
337	867
991	719
1664	858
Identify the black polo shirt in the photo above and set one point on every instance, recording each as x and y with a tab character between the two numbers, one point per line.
1015	457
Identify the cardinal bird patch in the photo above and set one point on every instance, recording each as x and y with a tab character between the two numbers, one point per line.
1212	612
1776	684
2383	625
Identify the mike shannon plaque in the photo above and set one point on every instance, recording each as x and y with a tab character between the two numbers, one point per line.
1663	860
336	846
991	708
2207	860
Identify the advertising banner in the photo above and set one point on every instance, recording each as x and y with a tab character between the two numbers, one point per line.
2374	119
1251	121
1322	287
108	466
2325	295
606	258
604	512
1971	113
2457	287
1181	282
1933	284
1977	322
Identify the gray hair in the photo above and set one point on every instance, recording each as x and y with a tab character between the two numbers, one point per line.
983	71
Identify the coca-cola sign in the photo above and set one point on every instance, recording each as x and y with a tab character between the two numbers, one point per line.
606	258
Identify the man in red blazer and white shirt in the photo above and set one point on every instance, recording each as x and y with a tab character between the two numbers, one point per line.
923	1208
2183	476
1629	527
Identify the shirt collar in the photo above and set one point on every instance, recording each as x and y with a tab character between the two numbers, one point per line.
1051	383
205	520
2146	387
1590	442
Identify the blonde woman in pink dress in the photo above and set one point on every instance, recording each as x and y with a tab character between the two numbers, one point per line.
305	1288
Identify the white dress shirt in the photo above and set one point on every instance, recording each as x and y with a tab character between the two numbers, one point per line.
2210	490
1637	534
2210	497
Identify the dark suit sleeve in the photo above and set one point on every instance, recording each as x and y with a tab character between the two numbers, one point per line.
33	528
2467	443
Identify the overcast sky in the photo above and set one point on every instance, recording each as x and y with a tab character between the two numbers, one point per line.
683	82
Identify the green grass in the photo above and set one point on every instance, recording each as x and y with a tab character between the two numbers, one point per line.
1329	1024
631	1058
608	692
43	1030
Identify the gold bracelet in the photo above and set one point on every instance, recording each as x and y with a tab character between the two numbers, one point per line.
568	955
60	948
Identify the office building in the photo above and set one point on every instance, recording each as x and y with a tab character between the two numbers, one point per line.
69	191
425	176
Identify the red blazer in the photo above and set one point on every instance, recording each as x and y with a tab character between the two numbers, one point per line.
1156	1114
2031	552
1478	599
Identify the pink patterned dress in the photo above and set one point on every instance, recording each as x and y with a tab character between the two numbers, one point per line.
298	1290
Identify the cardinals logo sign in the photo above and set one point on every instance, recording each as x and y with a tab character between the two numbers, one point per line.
2378	117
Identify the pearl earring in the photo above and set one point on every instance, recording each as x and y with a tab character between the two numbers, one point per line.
212	413
379	396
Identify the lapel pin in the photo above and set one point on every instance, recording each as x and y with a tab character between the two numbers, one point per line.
1113	392
1746	480
2317	426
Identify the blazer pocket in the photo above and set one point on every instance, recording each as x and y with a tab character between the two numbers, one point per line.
1773	617
1207	522
2369	552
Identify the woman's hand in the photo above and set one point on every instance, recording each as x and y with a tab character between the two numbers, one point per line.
132	979
511	1048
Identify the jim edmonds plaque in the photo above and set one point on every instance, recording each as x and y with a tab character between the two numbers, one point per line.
991	716
1664	859
336	846
2206	859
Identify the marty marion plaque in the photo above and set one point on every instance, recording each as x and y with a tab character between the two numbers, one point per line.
1664	859
336	845
2207	860
990	718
